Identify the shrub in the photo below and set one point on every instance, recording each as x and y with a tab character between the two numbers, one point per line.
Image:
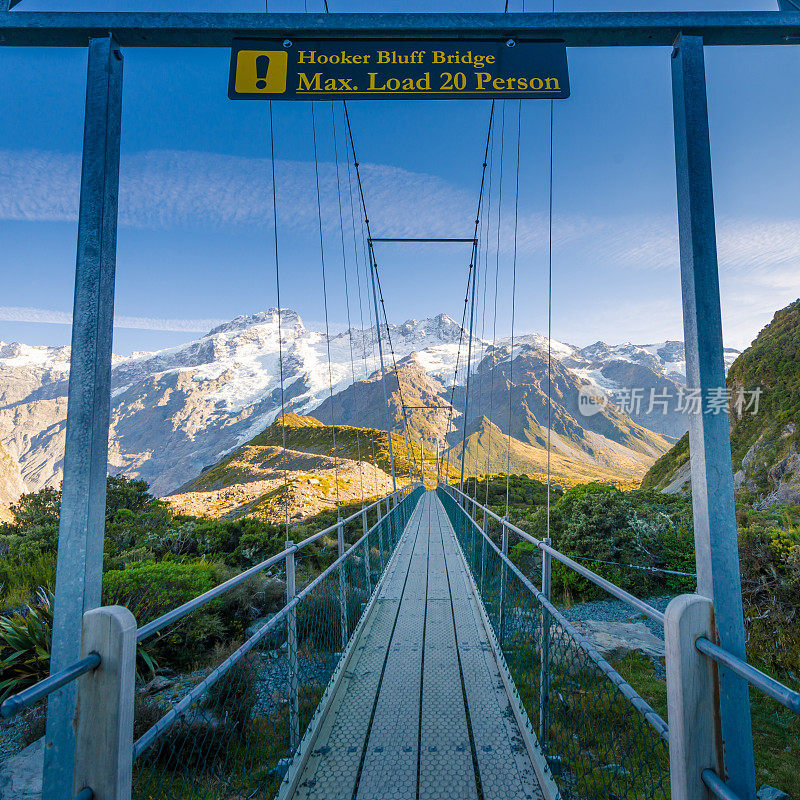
25	645
234	696
21	578
150	589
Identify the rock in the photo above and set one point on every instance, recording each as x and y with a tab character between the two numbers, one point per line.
21	775
271	640
681	480
158	684
617	769
166	672
771	793
614	640
281	768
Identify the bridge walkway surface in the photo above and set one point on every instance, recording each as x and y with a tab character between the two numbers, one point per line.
421	710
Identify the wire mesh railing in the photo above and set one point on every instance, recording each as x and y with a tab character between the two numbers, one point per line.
233	732
600	737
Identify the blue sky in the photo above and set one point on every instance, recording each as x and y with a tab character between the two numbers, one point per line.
195	237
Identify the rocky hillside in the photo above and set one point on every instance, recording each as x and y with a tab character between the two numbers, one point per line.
179	410
256	480
606	445
11	486
765	442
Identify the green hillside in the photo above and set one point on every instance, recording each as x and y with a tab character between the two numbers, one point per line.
764	440
660	474
309	435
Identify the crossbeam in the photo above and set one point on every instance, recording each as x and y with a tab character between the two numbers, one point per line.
585	29
473	241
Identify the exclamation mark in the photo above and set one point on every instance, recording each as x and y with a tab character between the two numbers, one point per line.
262	66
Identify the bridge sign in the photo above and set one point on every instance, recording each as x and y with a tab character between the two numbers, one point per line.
361	69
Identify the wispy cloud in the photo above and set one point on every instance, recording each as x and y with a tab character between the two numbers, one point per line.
163	189
759	259
44	315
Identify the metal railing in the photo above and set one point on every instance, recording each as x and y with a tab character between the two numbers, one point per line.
599	736
550	642
234	732
789	698
16	703
27	698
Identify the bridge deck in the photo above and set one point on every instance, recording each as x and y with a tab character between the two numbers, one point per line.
421	710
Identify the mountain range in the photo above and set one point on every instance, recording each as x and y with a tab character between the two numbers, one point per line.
178	411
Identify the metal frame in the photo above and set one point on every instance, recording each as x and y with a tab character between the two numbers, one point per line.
583	29
82	518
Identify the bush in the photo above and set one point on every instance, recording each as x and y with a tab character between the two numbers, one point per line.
25	645
21	578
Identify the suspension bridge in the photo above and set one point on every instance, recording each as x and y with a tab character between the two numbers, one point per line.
419	661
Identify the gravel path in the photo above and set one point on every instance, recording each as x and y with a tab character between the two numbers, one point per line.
617	611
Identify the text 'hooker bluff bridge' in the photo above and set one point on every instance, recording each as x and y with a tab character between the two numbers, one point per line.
419	661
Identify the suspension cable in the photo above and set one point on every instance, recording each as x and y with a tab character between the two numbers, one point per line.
496	279
472	273
513	303
280	333
325	300
347	301
371	438
549	318
373	271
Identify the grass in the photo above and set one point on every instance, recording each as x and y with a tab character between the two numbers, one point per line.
599	745
776	730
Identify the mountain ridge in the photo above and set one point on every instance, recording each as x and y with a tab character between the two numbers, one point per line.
180	409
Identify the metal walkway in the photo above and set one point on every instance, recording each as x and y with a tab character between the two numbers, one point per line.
421	710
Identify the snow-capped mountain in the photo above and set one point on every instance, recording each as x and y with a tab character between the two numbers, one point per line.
178	410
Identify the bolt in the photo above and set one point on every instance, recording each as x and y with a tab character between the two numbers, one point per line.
511	43
287	42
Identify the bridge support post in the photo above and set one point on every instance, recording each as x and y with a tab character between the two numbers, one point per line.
694	743
367	573
544	661
83	501
504	549
291	646
483	556
342	587
716	541
380	533
104	730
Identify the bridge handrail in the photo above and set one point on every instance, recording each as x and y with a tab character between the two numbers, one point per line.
611	588
636	700
192	605
16	703
760	680
152	734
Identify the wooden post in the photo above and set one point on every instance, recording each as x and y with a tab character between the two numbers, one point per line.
104	731
694	730
291	646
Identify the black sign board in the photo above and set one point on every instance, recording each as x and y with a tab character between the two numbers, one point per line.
361	69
